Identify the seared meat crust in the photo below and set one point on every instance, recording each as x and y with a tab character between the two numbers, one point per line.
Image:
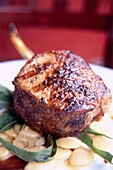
58	93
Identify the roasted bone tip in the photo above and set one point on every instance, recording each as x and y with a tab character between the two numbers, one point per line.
11	27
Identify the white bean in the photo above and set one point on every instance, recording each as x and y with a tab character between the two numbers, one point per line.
51	165
27	131
81	157
62	154
40	166
5	137
4	153
11	133
36	149
40	141
17	128
101	143
30	141
98	126
34	141
20	142
63	165
26	141
68	142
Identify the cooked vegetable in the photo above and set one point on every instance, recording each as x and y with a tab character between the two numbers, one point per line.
85	138
23	126
81	157
41	156
8	126
6	98
9	118
91	131
4	153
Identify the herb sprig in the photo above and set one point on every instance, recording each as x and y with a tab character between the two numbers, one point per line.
85	138
6	98
41	156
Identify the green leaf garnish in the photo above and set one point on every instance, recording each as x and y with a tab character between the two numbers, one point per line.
23	126
6	98
85	138
7	117
91	131
8	126
41	156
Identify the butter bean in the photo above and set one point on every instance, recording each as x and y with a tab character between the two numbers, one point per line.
81	157
17	128
27	131
62	165
98	126
4	153
68	142
11	133
40	141
30	141
51	165
40	166
36	149
62	154
20	142
5	137
101	143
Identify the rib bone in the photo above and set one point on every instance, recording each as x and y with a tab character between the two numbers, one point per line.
18	42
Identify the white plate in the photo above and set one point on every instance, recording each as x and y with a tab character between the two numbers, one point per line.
8	70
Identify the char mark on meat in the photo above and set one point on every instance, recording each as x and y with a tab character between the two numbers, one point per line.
58	93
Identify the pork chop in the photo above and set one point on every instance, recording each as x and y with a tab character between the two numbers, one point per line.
58	93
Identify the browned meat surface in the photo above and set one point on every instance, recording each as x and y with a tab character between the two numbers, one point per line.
58	93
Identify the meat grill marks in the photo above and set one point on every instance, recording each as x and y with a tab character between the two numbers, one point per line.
62	81
65	84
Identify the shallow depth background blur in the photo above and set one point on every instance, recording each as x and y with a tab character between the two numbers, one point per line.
83	26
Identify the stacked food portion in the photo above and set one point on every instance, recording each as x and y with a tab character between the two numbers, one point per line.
58	115
58	93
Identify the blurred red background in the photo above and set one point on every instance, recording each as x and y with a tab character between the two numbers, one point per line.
88	39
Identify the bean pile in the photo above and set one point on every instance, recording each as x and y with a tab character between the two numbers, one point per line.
71	152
